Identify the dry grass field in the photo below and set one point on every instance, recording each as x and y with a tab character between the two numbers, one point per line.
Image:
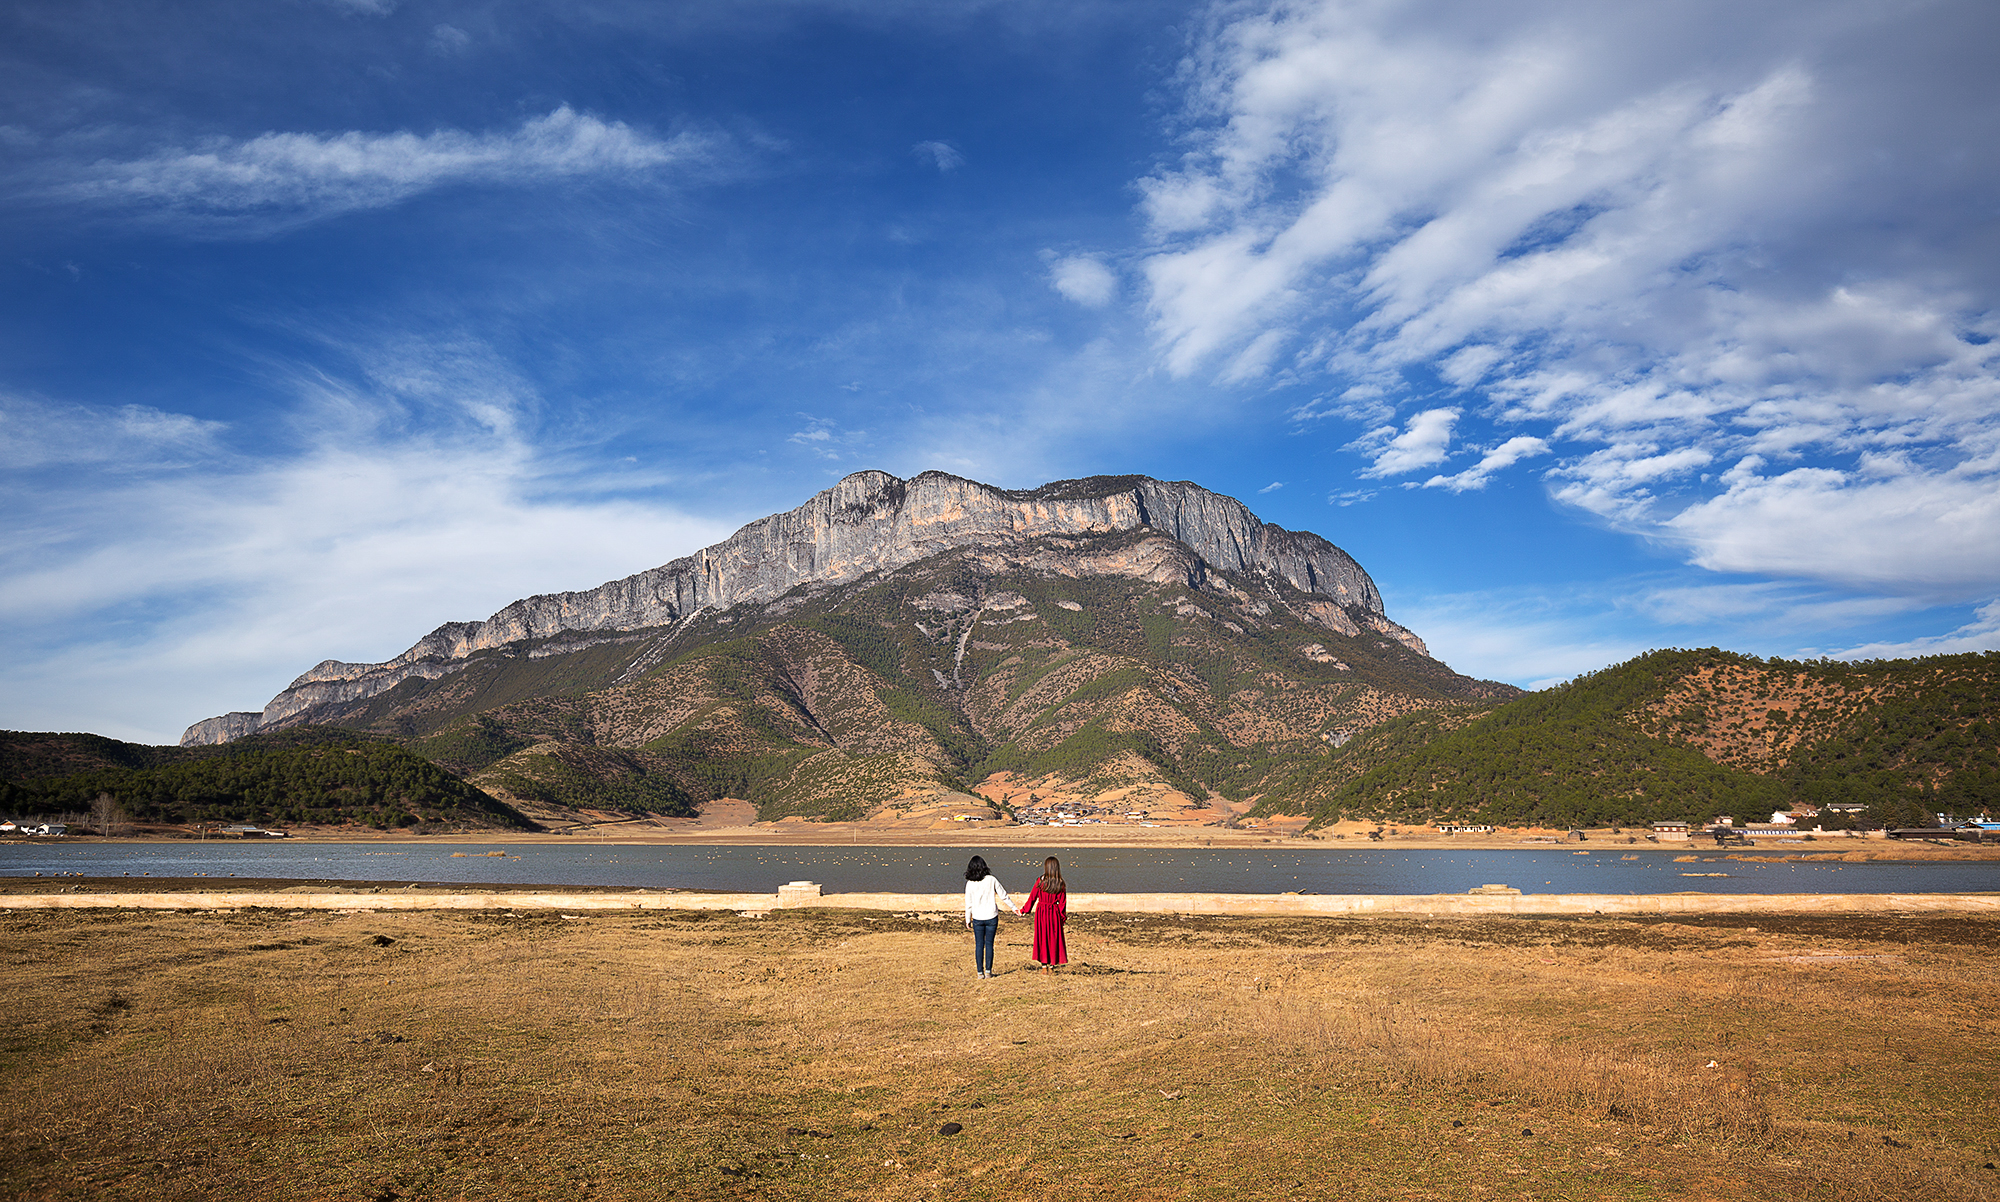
814	1055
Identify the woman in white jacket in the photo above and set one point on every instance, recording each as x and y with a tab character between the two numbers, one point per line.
984	895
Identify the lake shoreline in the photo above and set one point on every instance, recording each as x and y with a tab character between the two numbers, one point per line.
1108	837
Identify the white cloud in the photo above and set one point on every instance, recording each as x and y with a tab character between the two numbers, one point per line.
1255	360
1421	444
449	40
1273	486
302	177
145	585
1506	455
1669	236
825	439
1930	533
942	155
36	434
1084	280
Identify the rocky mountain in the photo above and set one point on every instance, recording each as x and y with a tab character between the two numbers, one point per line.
892	645
1683	735
869	522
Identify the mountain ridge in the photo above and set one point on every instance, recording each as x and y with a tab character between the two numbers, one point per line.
869	522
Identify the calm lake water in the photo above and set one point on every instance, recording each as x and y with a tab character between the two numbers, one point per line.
941	870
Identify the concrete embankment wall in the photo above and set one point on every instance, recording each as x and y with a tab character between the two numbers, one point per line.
1267	905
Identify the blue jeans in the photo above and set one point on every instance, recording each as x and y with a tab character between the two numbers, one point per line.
983	931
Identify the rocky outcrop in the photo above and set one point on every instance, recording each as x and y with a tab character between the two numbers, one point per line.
223	728
868	522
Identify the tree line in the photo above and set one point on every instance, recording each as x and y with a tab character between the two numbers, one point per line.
353	781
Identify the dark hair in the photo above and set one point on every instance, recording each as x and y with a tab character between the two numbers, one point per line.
976	871
1052	881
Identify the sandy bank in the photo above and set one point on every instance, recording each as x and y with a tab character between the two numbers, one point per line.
44	895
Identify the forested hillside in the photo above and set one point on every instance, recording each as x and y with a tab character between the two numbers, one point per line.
1684	734
916	687
319	775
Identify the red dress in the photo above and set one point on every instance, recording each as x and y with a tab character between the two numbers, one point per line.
1048	909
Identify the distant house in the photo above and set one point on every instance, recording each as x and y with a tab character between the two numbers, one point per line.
1671	831
1457	829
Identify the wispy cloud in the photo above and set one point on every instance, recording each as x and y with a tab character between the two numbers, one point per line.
1664	239
1506	455
1083	279
228	184
1526	638
1759	609
824	437
942	155
447	40
1536	636
1980	634
176	577
36	434
1273	486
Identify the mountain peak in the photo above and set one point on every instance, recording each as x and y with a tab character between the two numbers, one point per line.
869	521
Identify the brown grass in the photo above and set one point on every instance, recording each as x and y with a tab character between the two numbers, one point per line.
816	1055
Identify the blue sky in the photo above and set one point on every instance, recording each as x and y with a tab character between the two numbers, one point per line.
1586	328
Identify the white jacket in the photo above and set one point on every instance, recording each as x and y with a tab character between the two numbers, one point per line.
984	897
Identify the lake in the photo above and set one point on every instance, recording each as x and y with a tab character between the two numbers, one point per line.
941	869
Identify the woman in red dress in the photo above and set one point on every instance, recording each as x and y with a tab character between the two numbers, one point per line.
1048	901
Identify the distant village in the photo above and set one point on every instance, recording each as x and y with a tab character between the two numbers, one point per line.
1784	826
16	829
1076	813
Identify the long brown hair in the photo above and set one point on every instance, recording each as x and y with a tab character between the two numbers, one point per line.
1052	881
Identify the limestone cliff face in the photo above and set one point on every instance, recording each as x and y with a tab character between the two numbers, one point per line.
222	728
868	522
